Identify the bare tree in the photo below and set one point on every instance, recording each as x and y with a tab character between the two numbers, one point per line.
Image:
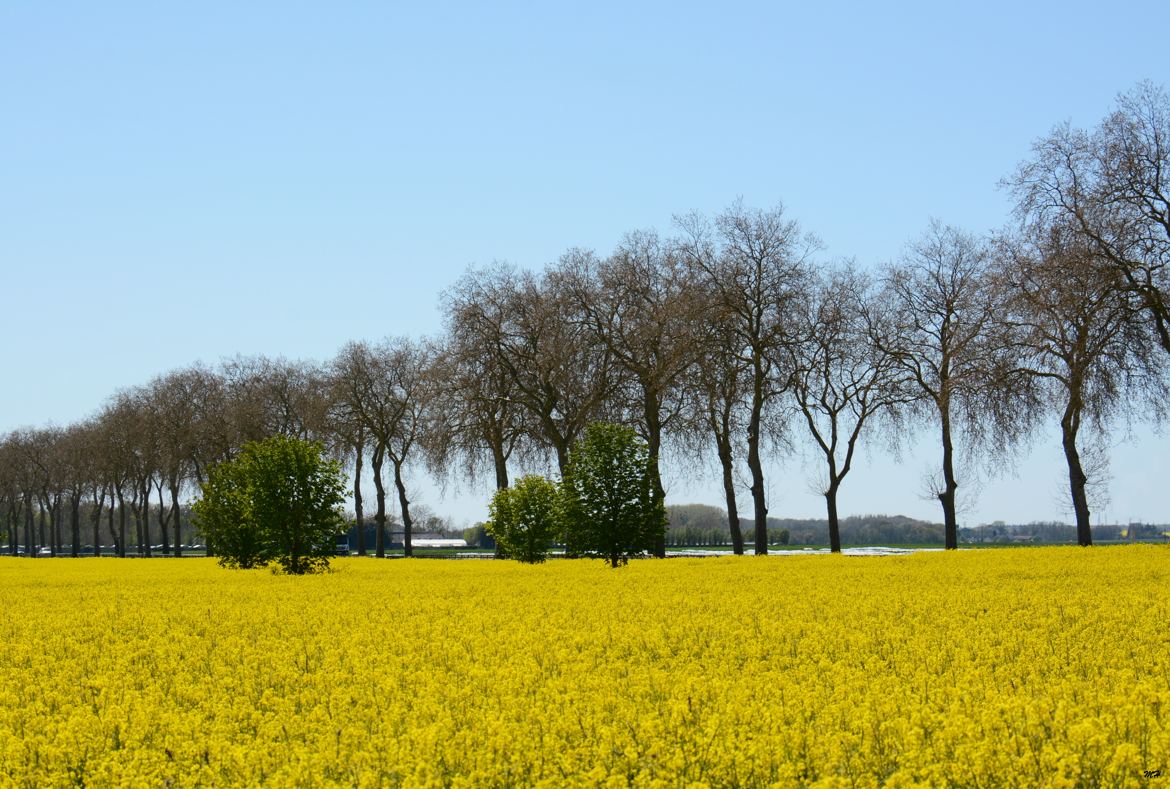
480	420
178	408
841	381
11	468
640	305
1078	338
75	469
24	483
715	388
411	391
1112	186
349	431
388	389
365	408
274	396
938	325
557	371
752	263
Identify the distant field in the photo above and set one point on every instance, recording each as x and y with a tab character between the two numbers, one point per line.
984	668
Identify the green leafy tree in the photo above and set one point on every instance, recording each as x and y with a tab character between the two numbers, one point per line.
610	510
525	518
277	501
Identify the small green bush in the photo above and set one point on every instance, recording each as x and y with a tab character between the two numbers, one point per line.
525	518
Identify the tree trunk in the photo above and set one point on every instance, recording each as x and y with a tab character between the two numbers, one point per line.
51	537
358	511
58	525
380	515
500	461
110	524
45	539
1069	426
756	467
51	506
146	551
120	537
29	534
834	522
562	450
175	513
13	523
75	524
723	446
99	501
136	513
946	496
404	504
654	440
163	519
10	529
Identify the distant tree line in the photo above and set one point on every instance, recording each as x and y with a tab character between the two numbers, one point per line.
733	334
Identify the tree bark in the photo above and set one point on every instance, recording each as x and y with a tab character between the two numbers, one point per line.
723	446
358	511
834	522
562	450
75	524
404	504
946	496
163	519
1069	426
52	536
99	502
500	460
380	515
45	539
651	409
175	513
120	536
30	549
13	524
756	467
54	525
146	550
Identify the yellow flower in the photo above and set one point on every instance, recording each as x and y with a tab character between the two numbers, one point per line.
1023	667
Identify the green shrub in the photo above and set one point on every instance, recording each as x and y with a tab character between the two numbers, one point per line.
525	518
278	501
607	496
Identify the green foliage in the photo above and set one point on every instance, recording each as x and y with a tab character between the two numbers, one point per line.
223	517
608	502
525	518
477	536
277	501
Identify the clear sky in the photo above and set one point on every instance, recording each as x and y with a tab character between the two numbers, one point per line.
188	182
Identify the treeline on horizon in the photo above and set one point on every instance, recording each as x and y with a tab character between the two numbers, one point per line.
731	337
703	525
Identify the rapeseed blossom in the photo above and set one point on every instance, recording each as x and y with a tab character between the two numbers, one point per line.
1038	666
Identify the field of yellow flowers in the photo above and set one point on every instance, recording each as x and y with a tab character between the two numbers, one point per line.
979	668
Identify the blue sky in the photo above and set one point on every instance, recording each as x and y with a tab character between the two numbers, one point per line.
187	182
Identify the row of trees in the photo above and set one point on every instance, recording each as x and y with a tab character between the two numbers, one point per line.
732	334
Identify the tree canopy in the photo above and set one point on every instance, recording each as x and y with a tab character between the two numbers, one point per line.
277	501
610	508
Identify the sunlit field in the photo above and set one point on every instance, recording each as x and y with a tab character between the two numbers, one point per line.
982	668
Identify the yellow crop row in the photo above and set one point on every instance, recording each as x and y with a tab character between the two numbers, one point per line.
1040	666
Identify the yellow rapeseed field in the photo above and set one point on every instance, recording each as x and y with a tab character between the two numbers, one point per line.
978	668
